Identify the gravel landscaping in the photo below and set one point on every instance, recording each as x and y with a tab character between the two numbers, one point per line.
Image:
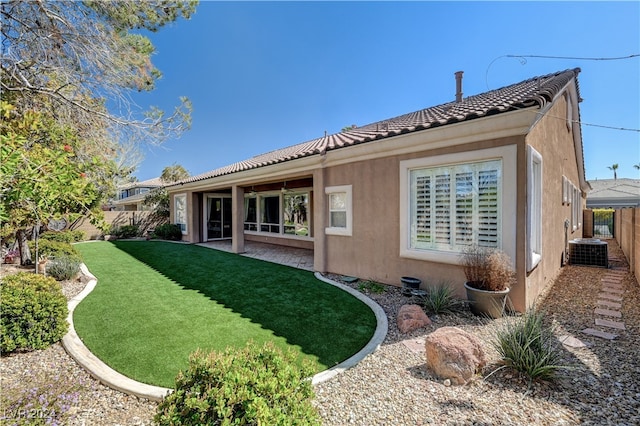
392	385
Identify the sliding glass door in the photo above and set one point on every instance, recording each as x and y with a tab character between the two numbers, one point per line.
218	217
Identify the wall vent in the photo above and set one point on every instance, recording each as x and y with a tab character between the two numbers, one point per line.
588	252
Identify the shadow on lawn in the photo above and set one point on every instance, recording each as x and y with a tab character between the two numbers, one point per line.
323	320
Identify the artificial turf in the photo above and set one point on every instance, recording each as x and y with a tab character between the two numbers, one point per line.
156	302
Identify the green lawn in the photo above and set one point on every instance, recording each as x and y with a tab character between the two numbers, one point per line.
156	302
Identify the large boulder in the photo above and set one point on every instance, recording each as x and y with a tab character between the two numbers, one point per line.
454	354
411	317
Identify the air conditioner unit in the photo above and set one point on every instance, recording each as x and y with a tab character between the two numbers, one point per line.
588	252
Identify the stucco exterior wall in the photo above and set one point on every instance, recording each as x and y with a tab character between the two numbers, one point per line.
627	234
554	141
373	249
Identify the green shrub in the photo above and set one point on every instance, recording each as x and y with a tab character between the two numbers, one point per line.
127	231
441	299
248	386
371	287
528	346
33	312
50	248
168	231
63	267
64	236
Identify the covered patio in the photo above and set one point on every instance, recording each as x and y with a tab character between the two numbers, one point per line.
291	256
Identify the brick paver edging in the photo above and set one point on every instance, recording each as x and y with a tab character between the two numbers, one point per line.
111	378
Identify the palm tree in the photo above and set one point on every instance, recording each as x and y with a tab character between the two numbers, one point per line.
614	167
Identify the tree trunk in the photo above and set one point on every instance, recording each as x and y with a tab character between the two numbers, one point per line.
25	253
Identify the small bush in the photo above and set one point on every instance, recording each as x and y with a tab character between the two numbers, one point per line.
529	346
248	386
441	299
63	267
33	312
168	231
371	287
127	231
54	249
64	236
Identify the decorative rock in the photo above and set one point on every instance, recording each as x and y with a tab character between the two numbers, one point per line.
411	317
454	354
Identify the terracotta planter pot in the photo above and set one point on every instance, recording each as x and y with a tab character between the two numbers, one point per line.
487	303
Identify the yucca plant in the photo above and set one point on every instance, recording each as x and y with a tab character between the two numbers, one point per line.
441	299
529	346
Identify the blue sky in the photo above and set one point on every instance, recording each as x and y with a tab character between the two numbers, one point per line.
267	75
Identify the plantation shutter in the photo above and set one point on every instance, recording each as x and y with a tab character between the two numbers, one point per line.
449	221
422	210
442	205
488	193
464	208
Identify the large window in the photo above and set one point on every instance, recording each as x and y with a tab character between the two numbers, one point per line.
251	213
450	201
181	212
285	213
270	213
296	208
340	210
455	206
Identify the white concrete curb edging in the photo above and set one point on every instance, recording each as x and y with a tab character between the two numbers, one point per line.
111	378
382	327
98	369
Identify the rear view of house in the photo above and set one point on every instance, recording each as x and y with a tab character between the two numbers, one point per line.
404	196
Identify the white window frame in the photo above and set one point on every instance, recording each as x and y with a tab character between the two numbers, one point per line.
176	209
576	217
508	155
261	223
258	196
534	208
348	229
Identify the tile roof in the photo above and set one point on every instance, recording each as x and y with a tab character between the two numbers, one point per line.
536	91
150	183
613	188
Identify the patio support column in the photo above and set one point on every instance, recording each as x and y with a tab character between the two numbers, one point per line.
237	213
319	222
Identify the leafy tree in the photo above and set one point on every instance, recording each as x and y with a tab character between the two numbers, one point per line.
61	61
614	167
41	177
65	59
173	173
158	198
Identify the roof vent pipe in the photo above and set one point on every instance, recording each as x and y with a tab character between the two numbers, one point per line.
459	86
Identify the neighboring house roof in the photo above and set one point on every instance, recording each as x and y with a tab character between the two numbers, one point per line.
537	91
149	183
613	193
137	198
